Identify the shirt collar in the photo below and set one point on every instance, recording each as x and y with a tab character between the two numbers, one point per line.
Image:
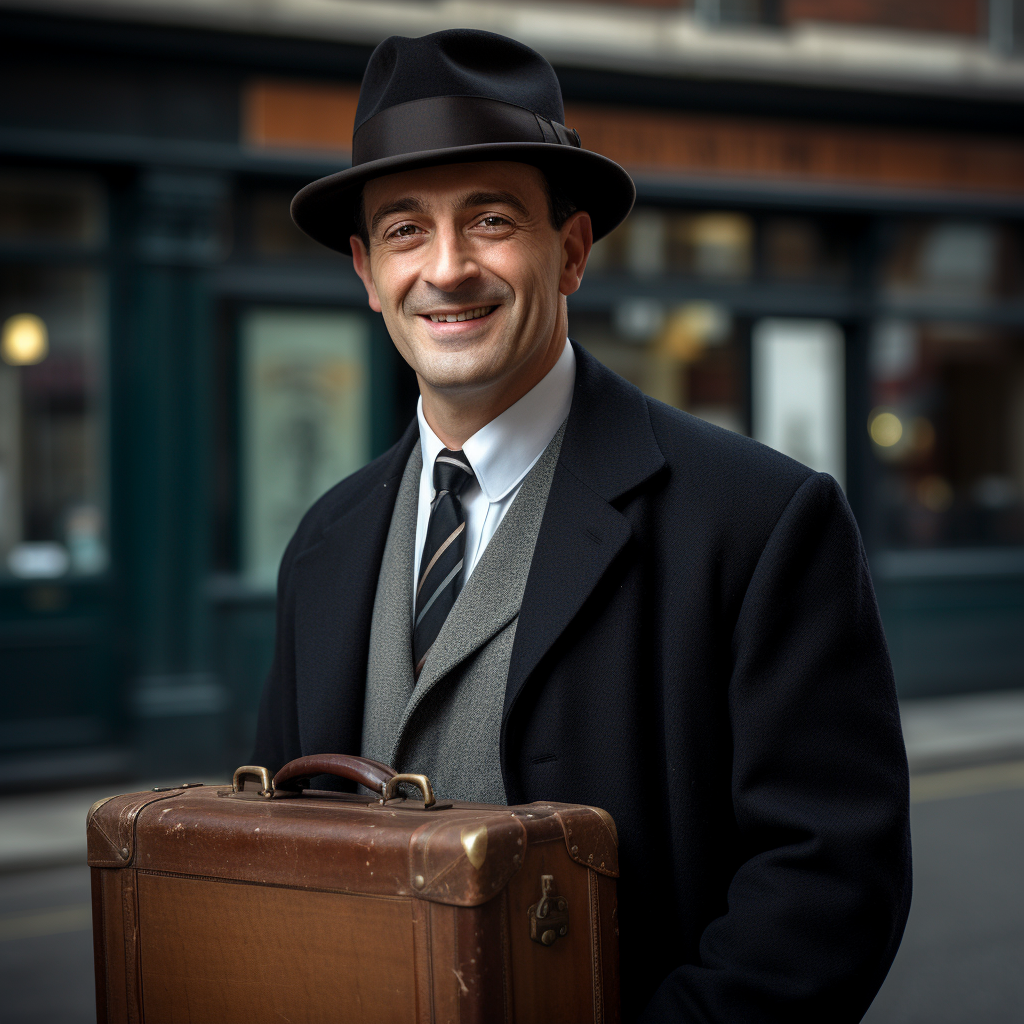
503	451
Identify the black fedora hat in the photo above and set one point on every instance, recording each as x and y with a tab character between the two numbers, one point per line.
454	97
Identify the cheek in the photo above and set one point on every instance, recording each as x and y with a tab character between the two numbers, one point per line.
532	274
392	277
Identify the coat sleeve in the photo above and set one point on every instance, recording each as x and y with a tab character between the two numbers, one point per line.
277	727
817	904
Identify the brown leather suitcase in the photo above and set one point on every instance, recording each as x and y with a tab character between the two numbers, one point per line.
234	904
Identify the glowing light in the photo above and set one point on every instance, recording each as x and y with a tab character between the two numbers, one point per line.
25	340
885	429
934	493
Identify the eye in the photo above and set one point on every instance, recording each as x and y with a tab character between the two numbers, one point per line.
494	220
403	231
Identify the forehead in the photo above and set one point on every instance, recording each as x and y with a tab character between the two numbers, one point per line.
447	183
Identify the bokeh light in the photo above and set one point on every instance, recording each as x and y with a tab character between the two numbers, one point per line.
25	340
885	428
935	493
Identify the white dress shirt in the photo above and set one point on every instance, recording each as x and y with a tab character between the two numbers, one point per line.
501	453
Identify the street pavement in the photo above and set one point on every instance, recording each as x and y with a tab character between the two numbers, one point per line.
962	956
960	961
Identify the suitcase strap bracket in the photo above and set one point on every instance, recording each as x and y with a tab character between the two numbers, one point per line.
253	771
549	917
390	788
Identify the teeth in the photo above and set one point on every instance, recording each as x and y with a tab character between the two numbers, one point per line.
452	318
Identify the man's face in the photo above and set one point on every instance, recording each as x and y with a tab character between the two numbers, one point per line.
467	269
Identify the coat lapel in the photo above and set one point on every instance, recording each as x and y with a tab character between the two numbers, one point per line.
493	593
608	450
335	581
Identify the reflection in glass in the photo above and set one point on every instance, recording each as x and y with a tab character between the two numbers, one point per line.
947	430
273	233
40	208
652	242
686	355
52	486
305	386
952	261
798	384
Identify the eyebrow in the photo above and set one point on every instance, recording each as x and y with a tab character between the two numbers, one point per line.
407	204
410	204
496	198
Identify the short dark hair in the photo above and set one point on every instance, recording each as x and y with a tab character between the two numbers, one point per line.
560	209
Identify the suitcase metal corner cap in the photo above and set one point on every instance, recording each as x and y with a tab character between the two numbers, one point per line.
466	861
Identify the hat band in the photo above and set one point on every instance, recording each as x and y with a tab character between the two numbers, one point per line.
447	122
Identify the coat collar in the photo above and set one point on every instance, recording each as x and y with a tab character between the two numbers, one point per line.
609	441
609	449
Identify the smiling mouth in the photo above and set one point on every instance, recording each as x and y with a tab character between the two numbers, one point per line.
468	314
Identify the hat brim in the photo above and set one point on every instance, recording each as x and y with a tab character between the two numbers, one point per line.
326	208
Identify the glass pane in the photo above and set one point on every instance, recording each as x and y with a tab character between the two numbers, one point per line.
272	230
52	470
798	391
947	429
50	209
953	261
305	388
688	356
799	249
654	242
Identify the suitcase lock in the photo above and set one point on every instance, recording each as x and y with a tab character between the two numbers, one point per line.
549	918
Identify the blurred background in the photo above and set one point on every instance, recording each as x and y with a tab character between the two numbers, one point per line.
827	253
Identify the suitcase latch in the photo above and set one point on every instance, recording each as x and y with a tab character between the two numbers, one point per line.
549	918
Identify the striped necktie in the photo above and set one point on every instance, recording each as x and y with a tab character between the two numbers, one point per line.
441	573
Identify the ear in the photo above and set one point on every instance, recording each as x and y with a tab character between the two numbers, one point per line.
577	241
361	262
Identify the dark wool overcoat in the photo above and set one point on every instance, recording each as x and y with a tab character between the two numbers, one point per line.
699	652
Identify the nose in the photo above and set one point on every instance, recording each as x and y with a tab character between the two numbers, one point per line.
450	262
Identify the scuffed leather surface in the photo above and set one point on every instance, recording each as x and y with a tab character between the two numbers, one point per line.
338	841
110	827
437	855
590	838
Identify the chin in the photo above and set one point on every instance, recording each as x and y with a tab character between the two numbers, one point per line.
463	361
462	369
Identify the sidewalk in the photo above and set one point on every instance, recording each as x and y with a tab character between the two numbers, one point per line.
942	734
956	732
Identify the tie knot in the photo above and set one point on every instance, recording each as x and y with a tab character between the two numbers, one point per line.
452	472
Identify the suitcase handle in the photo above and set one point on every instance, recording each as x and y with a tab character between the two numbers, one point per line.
374	775
371	774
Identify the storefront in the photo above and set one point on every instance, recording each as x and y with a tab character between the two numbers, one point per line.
183	372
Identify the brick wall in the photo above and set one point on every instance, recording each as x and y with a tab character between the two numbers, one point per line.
960	17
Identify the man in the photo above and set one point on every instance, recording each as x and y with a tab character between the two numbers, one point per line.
556	588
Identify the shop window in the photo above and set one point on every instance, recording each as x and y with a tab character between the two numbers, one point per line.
653	242
947	430
40	209
802	249
953	261
798	391
687	355
52	467
270	231
52	328
305	421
